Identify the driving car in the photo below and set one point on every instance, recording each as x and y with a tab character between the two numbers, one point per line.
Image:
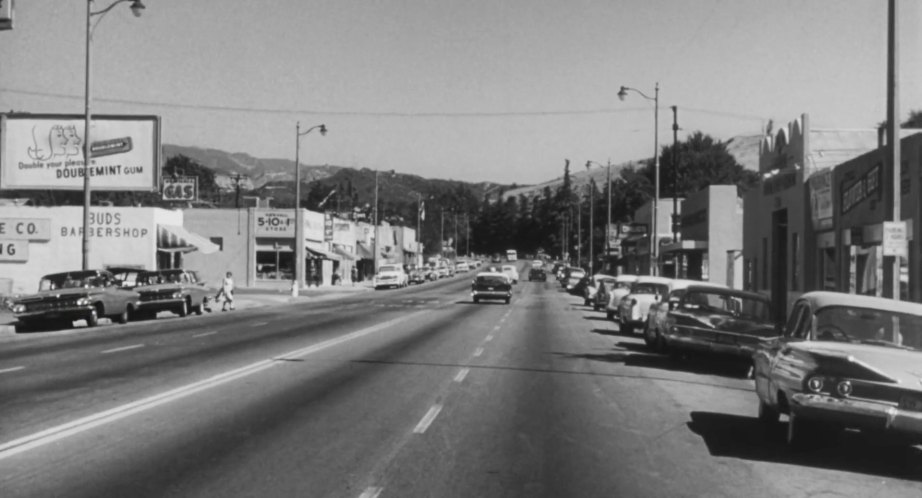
620	288
511	272
714	321
65	297
633	308
537	275
844	361
591	287
176	290
390	275
490	285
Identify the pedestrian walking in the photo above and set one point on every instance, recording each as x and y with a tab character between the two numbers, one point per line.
227	292
354	275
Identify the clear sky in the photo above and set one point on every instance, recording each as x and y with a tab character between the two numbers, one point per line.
474	90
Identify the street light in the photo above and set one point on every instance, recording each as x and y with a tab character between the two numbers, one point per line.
653	235
298	281
136	8
591	209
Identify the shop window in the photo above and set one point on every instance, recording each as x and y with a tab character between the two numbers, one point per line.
795	261
218	241
275	264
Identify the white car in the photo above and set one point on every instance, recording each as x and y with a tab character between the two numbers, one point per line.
511	272
621	288
633	308
391	276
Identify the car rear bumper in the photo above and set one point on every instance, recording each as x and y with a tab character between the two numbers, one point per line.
857	413
491	294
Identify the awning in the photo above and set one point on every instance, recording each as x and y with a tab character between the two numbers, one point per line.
363	251
344	253
685	246
174	238
318	250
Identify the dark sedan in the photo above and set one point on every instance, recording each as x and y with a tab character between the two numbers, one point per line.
176	290
537	275
65	297
496	286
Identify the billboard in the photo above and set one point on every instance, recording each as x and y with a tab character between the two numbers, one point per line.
6	14
45	152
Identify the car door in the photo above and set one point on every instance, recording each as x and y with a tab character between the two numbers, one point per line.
773	364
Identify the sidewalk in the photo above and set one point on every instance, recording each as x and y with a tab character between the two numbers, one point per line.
244	298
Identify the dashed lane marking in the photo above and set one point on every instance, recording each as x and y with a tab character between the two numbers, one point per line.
489	338
462	374
371	492
203	334
478	352
11	369
427	419
258	324
124	348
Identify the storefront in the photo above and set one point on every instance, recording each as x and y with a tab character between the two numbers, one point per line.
636	247
36	241
711	237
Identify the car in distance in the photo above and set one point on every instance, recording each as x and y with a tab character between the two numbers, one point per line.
571	278
537	275
65	297
620	288
844	361
495	286
714	321
176	290
392	276
417	275
462	266
511	272
592	285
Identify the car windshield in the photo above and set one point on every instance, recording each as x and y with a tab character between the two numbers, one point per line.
70	281
648	288
741	306
385	268
491	280
623	285
159	277
869	326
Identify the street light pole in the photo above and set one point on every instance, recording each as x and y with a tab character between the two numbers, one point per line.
298	281
137	7
653	229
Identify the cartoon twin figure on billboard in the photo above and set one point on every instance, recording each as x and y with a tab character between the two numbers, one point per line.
62	142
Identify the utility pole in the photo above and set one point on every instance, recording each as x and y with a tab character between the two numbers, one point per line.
442	232
608	217
891	186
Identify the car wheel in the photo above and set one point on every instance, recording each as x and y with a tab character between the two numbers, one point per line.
23	326
609	315
476	300
626	328
648	336
92	319
507	300
798	433
200	309
183	308
123	317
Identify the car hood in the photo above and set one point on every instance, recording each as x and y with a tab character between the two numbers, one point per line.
56	294
879	363
725	323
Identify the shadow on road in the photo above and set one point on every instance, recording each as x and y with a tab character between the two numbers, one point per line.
609	332
596	318
742	437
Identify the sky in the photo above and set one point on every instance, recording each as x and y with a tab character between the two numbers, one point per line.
473	90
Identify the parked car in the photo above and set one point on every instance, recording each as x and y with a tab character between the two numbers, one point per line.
65	297
462	266
511	272
714	321
417	276
176	290
591	287
620	288
658	314
571	278
491	286
537	275
633	308
844	361
391	275
537	263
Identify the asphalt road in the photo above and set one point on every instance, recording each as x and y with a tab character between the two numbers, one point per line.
403	393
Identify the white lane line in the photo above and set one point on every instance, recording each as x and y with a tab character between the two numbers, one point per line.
371	492
125	348
478	351
427	419
462	374
496	327
13	369
203	334
84	424
489	338
258	324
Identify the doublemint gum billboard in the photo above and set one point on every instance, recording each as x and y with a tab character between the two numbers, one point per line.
45	151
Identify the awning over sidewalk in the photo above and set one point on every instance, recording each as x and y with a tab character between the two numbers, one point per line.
363	251
318	250
174	238
344	253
